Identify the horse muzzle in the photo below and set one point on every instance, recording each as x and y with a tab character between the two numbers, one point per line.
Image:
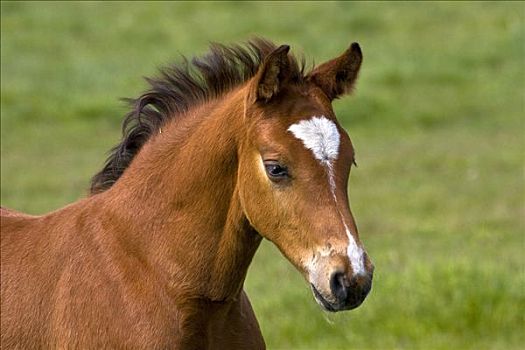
345	293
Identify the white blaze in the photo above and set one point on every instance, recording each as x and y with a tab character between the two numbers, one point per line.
355	253
320	135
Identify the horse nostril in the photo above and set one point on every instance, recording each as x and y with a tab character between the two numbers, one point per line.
339	285
360	288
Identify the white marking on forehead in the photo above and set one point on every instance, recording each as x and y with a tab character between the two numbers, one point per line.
320	135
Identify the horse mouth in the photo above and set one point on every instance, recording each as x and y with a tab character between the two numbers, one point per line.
325	304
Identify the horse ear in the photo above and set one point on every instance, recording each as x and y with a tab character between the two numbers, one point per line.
272	73
337	76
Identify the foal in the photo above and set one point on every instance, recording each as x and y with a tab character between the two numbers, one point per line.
236	146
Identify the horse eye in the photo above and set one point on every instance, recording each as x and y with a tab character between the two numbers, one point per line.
275	171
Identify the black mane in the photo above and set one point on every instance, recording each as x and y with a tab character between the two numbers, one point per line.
179	88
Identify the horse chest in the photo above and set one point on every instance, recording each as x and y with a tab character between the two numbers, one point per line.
208	325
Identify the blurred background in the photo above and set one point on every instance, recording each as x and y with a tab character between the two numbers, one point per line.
437	120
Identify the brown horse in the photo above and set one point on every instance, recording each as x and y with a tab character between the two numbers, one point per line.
235	146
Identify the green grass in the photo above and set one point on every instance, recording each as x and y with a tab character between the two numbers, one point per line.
437	120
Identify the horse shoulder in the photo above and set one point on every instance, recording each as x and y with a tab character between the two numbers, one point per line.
65	284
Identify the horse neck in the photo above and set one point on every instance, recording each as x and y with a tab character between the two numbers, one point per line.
178	206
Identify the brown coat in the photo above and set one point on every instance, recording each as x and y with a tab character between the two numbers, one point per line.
157	256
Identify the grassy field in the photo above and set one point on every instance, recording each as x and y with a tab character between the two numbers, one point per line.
437	120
